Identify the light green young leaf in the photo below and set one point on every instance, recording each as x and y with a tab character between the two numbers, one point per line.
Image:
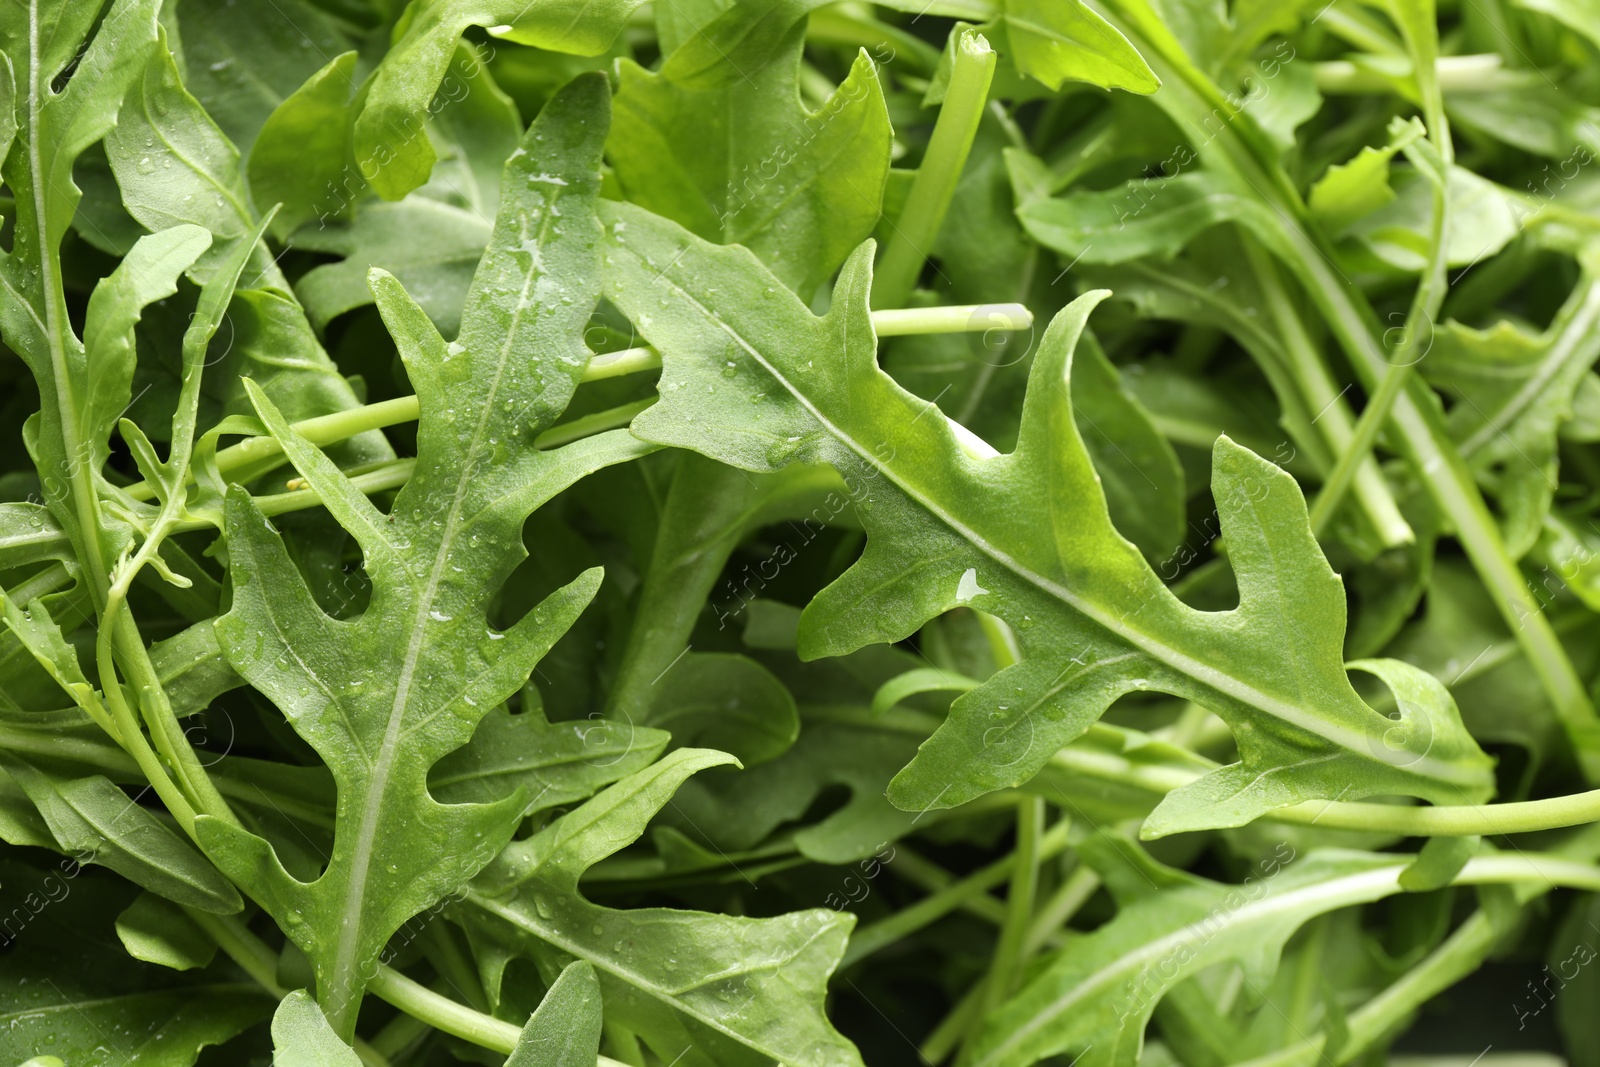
301	1036
746	163
565	1030
746	986
436	563
1064	40
155	931
95	820
1027	537
300	157
1351	190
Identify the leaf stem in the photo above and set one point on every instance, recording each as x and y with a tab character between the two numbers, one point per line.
1448	820
341	425
260	963
874	936
1473	73
913	233
1073	893
1332	419
1020	896
444	1014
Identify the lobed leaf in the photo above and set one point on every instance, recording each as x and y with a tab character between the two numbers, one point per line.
948	526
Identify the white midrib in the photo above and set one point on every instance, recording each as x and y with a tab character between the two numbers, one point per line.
345	962
1352	889
1222	682
1576	332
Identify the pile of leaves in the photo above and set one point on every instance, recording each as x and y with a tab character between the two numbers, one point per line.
728	532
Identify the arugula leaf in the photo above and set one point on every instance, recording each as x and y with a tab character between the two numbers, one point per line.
1097	997
487	394
714	981
799	189
388	140
302	1037
68	987
565	1030
1089	632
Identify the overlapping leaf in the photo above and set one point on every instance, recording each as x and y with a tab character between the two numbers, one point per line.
383	696
950	525
712	989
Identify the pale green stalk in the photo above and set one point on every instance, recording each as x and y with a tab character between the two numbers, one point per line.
912	234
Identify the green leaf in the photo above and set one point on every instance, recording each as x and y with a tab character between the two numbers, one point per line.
720	982
1349	191
549	764
174	165
1514	391
53	129
431	241
745	163
733	812
389	143
155	931
242	69
435	562
1065	40
728	702
1097	996
67	985
299	159
430	247
949	525
1138	469
301	1036
97	821
565	1030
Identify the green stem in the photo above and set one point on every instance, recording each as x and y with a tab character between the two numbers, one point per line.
341	425
1055	913
1473	74
257	960
1424	307
130	734
946	897
959	318
1451	820
244	948
1332	418
444	1014
1020	897
913	233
